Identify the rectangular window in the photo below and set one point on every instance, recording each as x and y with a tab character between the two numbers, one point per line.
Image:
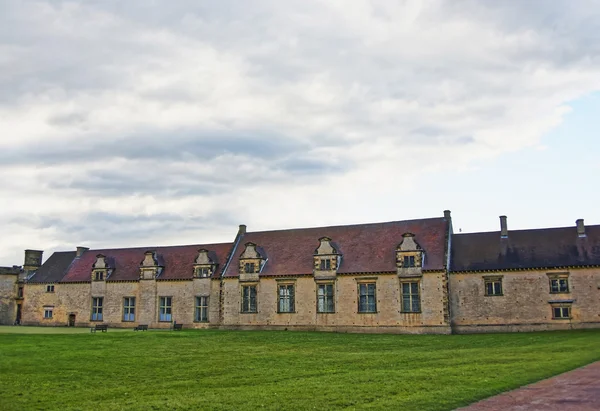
325	298
559	285
47	313
409	261
325	264
129	309
249	299
204	272
493	286
367	298
411	301
286	298
50	288
201	314
20	292
165	308
561	312
249	268
99	276
97	308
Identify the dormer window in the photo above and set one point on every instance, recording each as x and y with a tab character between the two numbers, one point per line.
102	268
409	261
326	258
325	264
151	266
205	264
409	256
252	261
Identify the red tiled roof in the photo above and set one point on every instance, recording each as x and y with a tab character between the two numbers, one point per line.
365	248
536	248
178	262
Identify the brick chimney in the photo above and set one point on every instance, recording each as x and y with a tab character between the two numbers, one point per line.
503	227
580	228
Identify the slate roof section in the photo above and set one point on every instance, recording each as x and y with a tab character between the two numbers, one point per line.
54	268
178	262
365	248
526	249
15	269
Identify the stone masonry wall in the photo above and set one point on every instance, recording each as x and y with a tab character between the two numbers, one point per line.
8	305
66	299
524	305
346	317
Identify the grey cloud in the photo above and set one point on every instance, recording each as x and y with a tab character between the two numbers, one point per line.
202	145
105	228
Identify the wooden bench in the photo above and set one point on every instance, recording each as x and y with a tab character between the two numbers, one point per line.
141	327
99	327
177	327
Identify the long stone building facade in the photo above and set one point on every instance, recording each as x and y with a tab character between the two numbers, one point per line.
414	276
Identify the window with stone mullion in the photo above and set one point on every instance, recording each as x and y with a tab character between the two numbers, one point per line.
410	297
249	299
129	309
286	298
367	300
201	309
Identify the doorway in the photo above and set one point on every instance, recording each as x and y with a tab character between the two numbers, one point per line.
71	320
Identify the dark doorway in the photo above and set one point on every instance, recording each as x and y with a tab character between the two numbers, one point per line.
71	320
19	311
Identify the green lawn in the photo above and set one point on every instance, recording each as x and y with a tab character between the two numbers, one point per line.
235	370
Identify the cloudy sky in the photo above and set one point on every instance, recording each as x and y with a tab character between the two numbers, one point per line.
155	123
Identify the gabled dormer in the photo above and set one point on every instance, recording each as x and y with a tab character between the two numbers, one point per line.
204	265
151	266
251	262
326	259
102	268
409	257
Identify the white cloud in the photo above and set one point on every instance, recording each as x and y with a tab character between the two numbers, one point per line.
127	101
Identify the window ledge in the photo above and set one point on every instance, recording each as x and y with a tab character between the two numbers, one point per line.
248	312
325	312
494	295
368	312
286	312
410	312
202	322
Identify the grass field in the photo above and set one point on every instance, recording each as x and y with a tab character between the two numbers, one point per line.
235	370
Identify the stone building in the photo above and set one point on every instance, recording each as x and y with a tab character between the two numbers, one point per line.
413	276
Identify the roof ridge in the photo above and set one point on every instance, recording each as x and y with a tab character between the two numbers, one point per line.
570	227
145	248
344	225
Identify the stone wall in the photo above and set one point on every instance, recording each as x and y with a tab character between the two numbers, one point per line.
346	316
524	303
76	299
65	300
8	304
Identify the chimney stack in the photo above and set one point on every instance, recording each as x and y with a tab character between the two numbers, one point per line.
80	251
447	216
580	228
242	229
503	227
